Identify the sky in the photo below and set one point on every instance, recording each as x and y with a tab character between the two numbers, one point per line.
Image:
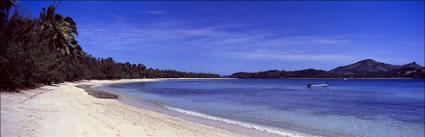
224	37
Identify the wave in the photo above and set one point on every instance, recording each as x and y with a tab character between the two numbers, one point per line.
267	129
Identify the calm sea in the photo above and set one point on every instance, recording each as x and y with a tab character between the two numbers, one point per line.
354	107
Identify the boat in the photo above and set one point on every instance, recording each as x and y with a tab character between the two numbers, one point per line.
319	85
309	85
345	79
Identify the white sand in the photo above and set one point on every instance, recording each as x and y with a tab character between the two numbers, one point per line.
67	111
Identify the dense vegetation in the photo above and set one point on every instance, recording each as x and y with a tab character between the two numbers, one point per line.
43	50
367	68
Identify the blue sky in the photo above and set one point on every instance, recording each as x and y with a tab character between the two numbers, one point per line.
227	37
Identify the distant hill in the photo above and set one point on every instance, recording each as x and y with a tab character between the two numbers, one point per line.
372	68
412	70
411	66
367	68
364	66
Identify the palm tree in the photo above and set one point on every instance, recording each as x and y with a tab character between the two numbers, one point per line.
5	6
59	32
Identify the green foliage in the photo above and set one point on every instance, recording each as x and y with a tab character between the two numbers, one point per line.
37	51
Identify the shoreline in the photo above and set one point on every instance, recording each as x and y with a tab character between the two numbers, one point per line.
329	78
239	127
66	110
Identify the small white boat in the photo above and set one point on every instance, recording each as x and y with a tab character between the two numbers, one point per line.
309	85
320	85
345	79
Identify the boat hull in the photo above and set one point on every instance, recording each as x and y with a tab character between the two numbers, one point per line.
320	85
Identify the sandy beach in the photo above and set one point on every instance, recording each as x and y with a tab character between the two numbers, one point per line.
68	111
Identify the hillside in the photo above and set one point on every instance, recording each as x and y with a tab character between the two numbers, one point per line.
364	66
367	68
372	68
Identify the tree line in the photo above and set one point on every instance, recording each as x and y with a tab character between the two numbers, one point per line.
43	50
312	73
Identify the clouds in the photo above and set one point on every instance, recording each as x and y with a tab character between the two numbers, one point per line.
156	12
215	40
270	55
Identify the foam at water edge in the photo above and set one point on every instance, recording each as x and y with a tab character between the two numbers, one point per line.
244	124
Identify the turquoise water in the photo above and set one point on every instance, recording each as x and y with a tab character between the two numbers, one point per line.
355	107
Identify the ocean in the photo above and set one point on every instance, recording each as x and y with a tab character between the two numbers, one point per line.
354	107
